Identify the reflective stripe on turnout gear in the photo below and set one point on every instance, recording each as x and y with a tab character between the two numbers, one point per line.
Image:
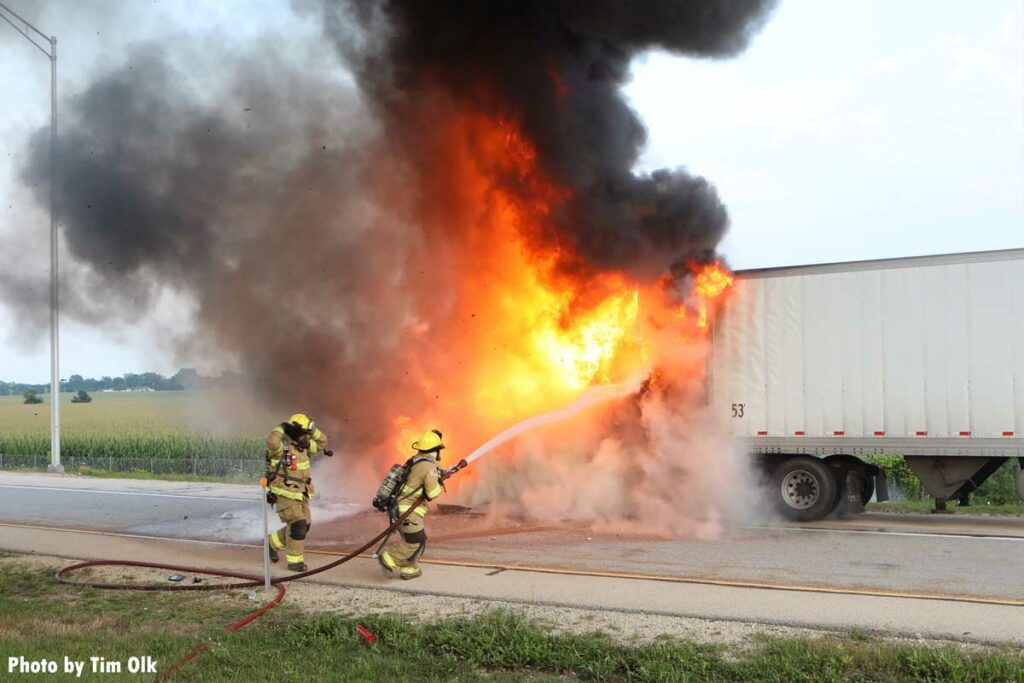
301	465
420	510
431	494
295	559
275	541
287	493
278	438
423	477
317	442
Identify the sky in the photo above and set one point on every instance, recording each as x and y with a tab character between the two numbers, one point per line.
847	131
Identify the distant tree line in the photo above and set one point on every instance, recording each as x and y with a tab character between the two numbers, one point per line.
187	378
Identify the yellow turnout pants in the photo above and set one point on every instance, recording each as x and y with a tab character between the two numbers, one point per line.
291	537
404	552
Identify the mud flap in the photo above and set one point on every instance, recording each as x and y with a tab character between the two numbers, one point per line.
854	504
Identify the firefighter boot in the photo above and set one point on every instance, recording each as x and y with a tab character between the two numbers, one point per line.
388	564
410	573
297	566
277	541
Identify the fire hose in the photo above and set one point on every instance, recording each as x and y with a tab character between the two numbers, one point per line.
248	580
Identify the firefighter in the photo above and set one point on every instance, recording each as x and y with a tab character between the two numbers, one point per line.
400	557
289	485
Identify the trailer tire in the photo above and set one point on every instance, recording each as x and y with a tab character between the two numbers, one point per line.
806	488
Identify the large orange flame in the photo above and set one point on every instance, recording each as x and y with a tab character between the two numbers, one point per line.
535	326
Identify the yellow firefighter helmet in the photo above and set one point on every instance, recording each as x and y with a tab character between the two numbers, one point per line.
302	421
430	441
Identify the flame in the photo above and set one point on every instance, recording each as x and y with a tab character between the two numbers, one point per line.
534	327
404	428
709	282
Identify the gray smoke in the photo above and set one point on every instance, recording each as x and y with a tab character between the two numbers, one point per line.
246	197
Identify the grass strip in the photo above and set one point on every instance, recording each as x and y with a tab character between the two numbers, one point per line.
42	619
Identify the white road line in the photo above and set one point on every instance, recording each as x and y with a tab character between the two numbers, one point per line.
126	493
926	534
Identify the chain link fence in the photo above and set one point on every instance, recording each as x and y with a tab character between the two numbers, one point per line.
227	468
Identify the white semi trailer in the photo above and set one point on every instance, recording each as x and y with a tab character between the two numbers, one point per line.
813	367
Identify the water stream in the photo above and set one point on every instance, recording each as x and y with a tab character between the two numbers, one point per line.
589	398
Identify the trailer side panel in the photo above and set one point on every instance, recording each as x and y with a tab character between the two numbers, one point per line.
904	356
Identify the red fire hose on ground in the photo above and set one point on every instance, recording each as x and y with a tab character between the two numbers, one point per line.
248	581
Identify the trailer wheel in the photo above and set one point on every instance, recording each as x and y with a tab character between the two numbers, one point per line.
807	489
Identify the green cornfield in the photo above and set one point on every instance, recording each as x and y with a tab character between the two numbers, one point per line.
165	425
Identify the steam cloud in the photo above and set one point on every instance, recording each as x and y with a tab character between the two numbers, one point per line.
288	202
652	464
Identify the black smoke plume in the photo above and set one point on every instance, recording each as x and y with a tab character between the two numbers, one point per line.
557	68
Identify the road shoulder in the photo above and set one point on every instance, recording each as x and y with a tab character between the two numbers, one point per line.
915	618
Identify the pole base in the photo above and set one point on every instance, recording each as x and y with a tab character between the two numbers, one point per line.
55	469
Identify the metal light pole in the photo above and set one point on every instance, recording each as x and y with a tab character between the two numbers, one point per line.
266	538
26	29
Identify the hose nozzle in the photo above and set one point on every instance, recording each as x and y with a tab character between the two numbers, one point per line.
449	472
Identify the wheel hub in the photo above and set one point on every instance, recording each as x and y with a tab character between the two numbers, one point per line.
800	489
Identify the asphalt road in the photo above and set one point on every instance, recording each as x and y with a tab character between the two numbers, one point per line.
785	574
43	503
912	553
